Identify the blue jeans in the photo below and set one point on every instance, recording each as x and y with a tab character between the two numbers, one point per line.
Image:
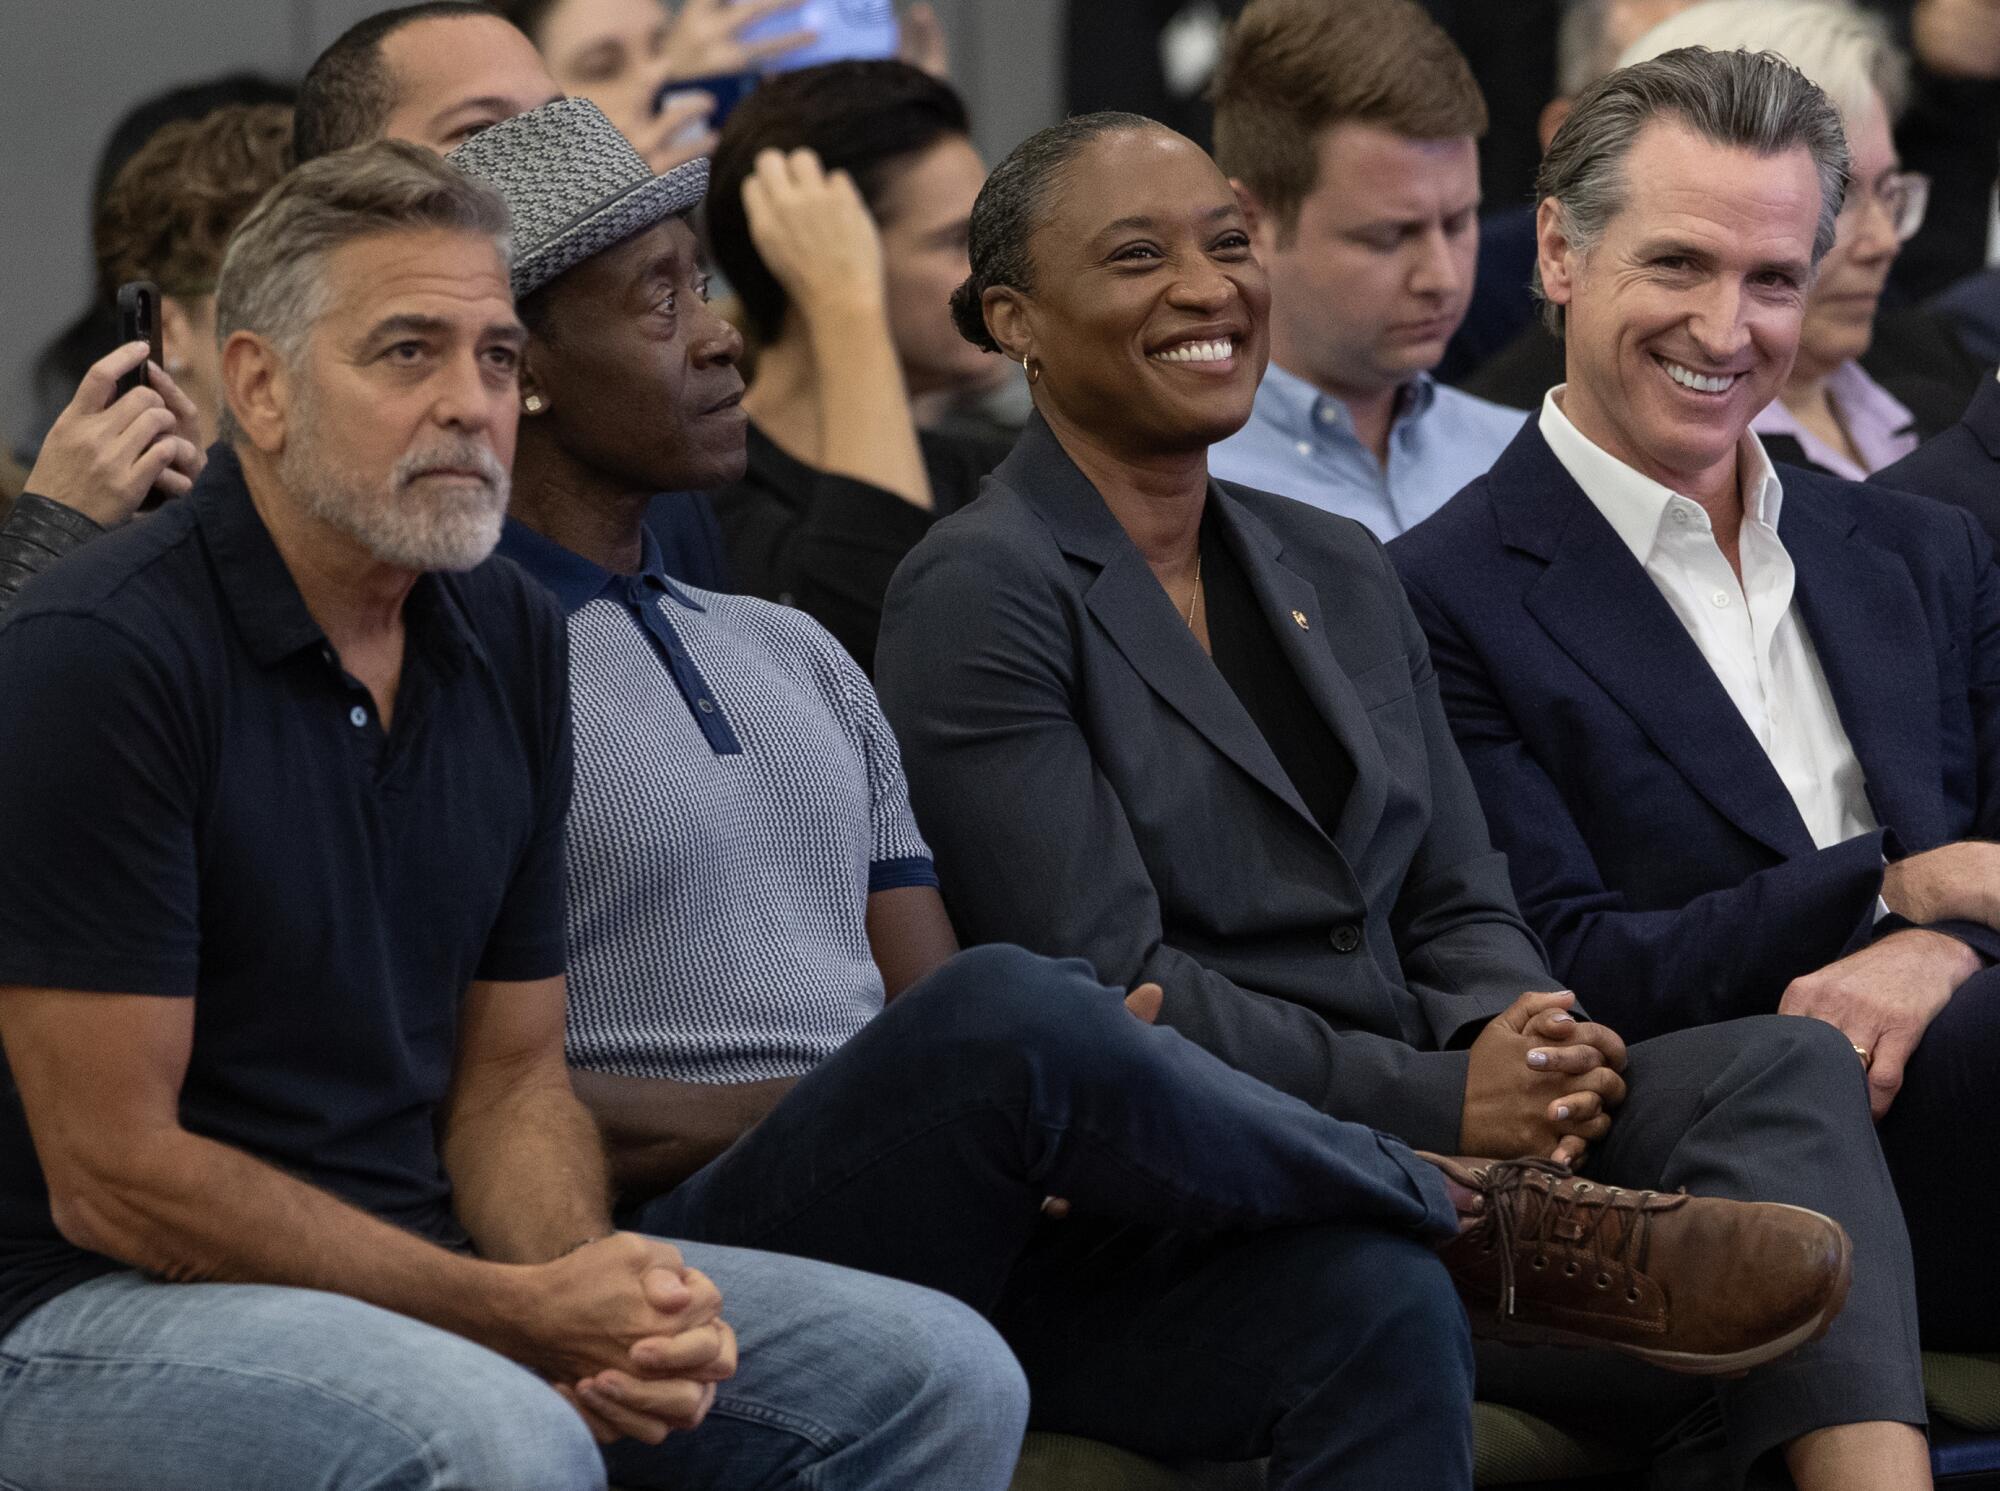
846	1381
1242	1275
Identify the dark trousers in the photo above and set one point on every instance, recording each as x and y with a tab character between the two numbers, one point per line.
1241	1276
1941	1136
1768	1109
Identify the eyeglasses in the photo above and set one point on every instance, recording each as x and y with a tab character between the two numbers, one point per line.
1903	197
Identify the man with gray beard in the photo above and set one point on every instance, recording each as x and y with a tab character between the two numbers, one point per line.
294	1190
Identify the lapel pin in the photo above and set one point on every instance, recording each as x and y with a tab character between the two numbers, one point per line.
1300	618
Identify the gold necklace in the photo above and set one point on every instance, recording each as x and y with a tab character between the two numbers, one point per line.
1195	599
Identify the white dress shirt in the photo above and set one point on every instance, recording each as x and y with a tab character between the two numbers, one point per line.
1749	631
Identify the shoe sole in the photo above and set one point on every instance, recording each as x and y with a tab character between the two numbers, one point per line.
1696	1363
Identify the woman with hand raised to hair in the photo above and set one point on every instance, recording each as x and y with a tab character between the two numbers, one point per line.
838	215
1190	732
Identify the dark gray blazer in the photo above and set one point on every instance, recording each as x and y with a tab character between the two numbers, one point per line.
1092	786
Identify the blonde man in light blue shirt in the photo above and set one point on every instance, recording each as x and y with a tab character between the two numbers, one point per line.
1351	134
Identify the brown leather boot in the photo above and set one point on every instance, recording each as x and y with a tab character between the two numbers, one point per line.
1689	1283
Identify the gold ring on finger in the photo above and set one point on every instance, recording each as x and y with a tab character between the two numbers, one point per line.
1863	1053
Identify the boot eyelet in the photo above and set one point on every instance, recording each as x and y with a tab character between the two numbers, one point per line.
1603	1281
1631	1296
1570	1270
1538	1263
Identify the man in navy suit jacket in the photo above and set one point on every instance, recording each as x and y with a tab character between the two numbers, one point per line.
1735	727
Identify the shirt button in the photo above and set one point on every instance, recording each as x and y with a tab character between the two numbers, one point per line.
1327	415
357	717
1345	938
1305	447
1720	600
1680	516
706	706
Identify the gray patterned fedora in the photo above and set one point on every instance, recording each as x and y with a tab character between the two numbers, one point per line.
574	184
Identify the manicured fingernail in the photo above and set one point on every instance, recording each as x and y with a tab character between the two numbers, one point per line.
1563	1015
1562	1110
1538	1058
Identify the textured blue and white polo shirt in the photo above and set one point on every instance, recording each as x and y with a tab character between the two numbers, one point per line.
738	797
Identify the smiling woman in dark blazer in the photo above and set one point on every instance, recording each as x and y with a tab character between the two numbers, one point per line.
1191	733
1186	729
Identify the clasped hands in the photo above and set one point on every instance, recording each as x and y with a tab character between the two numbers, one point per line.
1541	1082
631	1337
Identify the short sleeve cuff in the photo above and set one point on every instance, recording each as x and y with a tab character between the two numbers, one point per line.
97	972
901	874
522	963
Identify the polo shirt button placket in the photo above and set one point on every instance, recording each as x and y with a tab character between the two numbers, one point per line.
1345	938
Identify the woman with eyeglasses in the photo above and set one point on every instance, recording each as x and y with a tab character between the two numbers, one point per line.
1834	413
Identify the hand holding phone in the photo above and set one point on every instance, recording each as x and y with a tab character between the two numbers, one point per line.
139	321
120	445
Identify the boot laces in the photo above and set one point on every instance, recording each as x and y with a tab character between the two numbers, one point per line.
1574	1218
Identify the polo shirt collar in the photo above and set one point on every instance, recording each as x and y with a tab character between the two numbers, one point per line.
259	589
258	586
576	581
1297	407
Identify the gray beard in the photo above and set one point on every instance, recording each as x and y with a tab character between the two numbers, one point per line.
405	523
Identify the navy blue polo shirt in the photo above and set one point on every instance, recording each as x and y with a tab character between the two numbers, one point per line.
198	802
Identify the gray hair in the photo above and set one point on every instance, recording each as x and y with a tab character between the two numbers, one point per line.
1754	101
1847	51
1016	200
273	278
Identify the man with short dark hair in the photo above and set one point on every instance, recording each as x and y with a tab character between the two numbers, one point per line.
1351	134
435	73
294	1189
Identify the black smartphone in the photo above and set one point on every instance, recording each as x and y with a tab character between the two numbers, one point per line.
138	321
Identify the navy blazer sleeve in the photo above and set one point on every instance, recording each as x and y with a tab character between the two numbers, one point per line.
978	666
1643	972
1732	951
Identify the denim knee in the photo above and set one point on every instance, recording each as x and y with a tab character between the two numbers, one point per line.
957	1358
513	1433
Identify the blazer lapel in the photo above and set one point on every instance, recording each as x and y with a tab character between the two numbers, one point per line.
1127	601
1868	629
1284	594
1601	607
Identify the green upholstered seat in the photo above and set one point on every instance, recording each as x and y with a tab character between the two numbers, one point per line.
1964	1390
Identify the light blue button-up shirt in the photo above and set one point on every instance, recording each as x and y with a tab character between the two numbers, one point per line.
1301	443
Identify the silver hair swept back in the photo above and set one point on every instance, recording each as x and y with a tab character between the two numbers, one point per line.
273	279
1754	101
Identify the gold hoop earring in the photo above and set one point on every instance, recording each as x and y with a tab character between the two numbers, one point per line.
533	403
1034	373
